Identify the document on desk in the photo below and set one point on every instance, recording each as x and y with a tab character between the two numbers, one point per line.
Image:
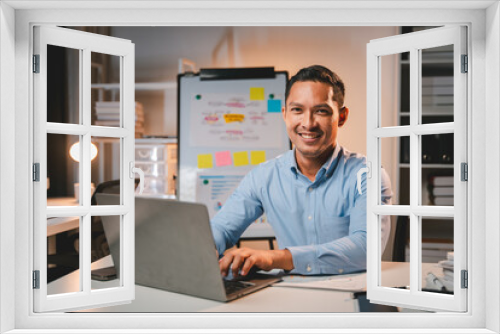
351	282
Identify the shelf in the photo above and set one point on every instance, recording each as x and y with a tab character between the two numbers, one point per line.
431	61
138	85
404	165
407	114
156	140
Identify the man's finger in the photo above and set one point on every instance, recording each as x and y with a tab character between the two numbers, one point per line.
224	264
249	263
237	263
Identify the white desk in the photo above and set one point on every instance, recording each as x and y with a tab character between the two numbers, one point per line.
271	299
61	224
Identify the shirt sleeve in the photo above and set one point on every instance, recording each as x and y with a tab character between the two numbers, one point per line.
346	254
241	209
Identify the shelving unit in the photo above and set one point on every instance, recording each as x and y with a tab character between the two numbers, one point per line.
437	150
150	94
156	156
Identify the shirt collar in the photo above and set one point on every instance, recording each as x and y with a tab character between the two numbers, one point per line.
329	165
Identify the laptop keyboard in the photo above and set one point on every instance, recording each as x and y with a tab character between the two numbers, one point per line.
235	286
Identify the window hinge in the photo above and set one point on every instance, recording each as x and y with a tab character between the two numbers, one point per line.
465	64
36	279
464	171
36	63
36	172
465	279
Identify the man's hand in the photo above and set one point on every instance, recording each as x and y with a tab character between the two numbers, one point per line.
246	258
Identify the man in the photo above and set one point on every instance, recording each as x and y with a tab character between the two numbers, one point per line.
309	194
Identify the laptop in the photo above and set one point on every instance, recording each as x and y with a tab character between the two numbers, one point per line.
175	249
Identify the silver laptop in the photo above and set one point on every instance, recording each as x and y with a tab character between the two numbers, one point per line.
175	249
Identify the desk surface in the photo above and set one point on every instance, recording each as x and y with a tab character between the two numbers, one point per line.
61	224
271	299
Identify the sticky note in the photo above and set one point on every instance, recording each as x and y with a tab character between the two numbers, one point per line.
229	118
205	161
273	105
223	159
240	158
257	157
257	93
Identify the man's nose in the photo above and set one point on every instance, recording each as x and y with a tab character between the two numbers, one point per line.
308	120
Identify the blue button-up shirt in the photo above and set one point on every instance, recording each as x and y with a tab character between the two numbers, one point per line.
321	223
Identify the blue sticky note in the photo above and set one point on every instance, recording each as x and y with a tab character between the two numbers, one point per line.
273	105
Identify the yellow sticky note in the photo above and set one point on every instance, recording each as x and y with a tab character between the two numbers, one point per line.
257	93
205	161
257	157
229	118
240	158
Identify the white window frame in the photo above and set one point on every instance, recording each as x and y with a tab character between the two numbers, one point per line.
85	43
396	45
484	104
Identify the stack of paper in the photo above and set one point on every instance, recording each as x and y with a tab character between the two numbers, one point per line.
108	114
442	282
441	190
437	94
352	282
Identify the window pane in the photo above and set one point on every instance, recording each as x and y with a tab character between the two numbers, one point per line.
106	235
63	170
389	76
437	84
437	255
396	257
63	85
437	169
437	149
106	90
399	178
63	254
106	166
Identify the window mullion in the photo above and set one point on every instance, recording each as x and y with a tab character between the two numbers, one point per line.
85	242
414	170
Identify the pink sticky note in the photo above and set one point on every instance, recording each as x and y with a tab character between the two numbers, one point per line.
223	159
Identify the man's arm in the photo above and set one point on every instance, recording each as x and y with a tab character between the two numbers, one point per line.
343	255
241	209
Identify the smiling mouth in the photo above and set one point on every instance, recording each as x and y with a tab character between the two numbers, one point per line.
309	135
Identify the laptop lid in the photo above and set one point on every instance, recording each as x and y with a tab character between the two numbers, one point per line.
174	246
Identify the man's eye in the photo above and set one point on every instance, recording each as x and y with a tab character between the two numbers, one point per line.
322	111
295	109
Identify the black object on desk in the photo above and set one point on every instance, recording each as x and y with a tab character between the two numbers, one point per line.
366	306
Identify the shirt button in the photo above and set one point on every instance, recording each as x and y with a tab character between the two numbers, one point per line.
310	189
310	217
341	271
308	268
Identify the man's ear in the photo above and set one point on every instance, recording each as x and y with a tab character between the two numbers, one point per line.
283	113
343	115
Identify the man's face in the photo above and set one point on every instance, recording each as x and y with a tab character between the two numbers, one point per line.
312	119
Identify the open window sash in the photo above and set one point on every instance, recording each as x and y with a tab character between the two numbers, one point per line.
82	295
415	295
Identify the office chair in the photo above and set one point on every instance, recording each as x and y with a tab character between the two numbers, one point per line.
67	258
100	246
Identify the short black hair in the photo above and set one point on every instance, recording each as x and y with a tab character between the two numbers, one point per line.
318	73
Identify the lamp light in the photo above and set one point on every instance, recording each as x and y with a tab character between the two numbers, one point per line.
74	151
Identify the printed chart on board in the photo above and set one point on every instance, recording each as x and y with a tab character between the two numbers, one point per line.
214	189
239	120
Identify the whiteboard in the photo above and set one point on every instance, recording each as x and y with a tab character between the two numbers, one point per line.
226	128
